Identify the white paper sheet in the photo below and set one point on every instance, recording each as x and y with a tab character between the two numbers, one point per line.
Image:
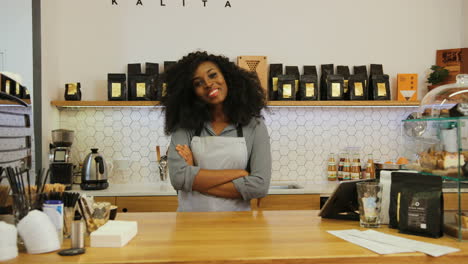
382	243
428	248
350	236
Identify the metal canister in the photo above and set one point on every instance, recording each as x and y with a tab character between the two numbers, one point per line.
78	230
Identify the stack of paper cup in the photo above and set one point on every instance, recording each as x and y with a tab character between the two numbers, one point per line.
38	233
8	248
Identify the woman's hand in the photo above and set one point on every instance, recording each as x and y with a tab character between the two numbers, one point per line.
185	152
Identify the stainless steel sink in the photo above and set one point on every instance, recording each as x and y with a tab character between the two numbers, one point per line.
285	186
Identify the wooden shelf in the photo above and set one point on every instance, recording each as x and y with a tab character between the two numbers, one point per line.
8	102
345	103
104	103
270	103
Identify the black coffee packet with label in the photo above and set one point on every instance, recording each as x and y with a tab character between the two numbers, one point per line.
287	87
375	69
308	87
162	84
362	70
25	92
416	204
344	71
140	88
327	69
421	209
308	84
276	69
7	85
335	85
357	87
133	70
380	87
116	87
294	71
152	70
73	92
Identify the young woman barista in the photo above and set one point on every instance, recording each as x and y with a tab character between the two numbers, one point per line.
219	157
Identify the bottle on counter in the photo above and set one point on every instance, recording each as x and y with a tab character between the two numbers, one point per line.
346	168
341	166
332	169
370	169
355	167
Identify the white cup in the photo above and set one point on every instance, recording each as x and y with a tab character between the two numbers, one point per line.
38	233
449	139
8	247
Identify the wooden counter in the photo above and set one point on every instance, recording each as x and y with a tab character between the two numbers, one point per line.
244	237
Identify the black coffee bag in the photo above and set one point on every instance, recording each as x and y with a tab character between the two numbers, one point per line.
140	88
162	85
308	87
73	92
416	204
116	87
357	87
375	69
294	71
152	70
7	85
326	69
287	87
380	87
335	90
276	70
344	71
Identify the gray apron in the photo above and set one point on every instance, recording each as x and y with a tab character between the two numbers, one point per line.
215	153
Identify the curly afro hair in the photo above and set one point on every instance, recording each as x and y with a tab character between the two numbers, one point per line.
183	109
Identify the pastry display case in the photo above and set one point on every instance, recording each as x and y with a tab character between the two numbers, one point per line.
436	144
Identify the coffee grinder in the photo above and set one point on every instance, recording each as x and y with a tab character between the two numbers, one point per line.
61	167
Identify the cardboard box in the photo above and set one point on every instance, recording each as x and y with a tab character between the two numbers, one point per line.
407	87
256	64
454	60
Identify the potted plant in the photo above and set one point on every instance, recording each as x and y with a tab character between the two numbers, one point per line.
437	77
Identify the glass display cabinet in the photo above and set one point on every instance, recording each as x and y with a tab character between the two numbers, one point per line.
436	144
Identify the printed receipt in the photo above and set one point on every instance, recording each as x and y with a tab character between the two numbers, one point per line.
382	243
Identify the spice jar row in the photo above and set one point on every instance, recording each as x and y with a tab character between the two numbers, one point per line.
348	167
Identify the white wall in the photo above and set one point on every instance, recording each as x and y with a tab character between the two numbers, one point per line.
83	40
16	39
464	24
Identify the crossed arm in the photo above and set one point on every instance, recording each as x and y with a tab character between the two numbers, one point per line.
213	182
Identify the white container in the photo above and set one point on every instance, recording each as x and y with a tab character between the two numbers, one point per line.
8	247
54	210
38	233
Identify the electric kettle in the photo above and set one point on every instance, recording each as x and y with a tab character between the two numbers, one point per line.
94	173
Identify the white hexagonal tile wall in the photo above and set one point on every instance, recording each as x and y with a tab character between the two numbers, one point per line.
301	138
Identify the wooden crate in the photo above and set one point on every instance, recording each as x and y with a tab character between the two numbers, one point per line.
256	64
454	60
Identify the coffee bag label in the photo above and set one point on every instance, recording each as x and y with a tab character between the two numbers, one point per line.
141	89
116	89
417	214
310	91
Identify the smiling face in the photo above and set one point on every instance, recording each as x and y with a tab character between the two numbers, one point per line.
209	83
